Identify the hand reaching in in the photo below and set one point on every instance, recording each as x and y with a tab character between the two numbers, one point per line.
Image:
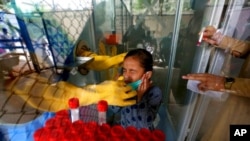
117	93
207	81
208	33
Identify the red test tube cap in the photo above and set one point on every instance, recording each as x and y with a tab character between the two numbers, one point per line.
73	103
102	137
104	129
131	133
102	106
40	134
90	127
51	123
158	135
144	134
117	131
62	113
78	125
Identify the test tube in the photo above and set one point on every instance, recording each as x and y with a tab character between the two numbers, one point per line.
102	108
74	109
200	37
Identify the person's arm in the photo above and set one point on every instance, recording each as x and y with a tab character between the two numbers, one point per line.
240	86
54	97
237	47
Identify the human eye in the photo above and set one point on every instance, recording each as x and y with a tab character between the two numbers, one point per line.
133	72
124	70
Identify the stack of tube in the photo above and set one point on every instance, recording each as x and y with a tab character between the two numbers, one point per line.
64	130
61	128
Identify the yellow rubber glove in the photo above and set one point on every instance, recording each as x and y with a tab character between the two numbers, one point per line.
117	93
100	62
43	96
105	62
39	94
114	92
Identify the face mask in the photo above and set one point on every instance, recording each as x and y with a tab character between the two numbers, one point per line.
135	84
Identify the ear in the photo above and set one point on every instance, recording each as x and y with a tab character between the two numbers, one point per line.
148	74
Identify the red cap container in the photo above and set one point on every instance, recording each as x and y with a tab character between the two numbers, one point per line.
104	129
102	137
78	126
102	106
131	133
62	113
64	122
117	133
73	103
144	134
90	127
71	135
158	135
54	134
40	134
51	123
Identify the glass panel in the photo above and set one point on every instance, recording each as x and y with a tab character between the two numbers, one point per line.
218	113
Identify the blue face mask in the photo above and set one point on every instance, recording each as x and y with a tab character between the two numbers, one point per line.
135	84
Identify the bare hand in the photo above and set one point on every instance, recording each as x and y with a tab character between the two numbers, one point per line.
210	37
207	81
208	33
146	83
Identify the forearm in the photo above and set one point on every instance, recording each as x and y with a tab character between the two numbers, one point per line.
226	42
241	87
86	95
48	97
40	94
235	45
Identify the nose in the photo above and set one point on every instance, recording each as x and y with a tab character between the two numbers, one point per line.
126	76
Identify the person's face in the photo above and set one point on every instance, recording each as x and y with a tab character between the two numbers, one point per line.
132	70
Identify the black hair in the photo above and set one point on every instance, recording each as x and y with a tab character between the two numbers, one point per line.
145	58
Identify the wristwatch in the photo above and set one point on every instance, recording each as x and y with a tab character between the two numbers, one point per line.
229	82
